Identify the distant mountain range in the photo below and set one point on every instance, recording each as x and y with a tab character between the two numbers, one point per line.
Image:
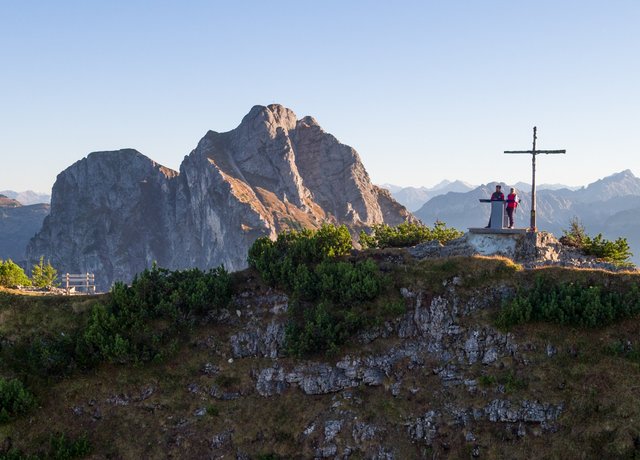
610	206
27	197
414	197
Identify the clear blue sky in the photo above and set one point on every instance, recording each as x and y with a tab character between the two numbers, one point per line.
423	90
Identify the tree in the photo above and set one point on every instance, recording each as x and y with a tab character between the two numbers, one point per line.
11	274
576	234
44	275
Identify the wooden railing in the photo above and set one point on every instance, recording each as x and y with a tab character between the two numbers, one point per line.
86	281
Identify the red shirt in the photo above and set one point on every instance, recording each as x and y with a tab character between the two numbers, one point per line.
512	202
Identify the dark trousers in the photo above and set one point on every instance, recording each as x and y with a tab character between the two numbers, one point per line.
510	214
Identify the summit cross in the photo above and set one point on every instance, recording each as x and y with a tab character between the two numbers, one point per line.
533	154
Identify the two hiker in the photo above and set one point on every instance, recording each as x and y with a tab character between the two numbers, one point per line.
512	202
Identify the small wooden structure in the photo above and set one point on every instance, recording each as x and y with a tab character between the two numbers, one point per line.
86	281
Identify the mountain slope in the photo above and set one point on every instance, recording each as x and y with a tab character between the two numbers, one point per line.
18	224
436	380
114	213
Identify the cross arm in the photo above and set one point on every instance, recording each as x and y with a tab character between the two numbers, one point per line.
535	151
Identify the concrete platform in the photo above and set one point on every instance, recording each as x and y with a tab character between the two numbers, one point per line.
499	231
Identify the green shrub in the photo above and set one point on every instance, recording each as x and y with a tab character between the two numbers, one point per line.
407	234
141	320
617	252
320	327
43	275
328	294
278	261
15	399
45	356
487	380
11	274
573	304
344	283
63	448
60	447
340	290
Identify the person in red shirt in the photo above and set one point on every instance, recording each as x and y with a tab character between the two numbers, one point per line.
512	204
496	196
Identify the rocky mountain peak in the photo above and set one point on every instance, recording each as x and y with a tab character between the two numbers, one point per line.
269	118
618	184
120	211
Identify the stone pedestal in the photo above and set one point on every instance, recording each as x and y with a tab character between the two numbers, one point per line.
497	213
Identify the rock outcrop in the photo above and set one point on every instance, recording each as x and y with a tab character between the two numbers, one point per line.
531	249
114	213
435	347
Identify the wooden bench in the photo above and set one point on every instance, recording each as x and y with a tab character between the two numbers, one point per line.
85	281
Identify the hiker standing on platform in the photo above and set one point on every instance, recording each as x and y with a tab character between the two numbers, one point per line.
496	196
512	204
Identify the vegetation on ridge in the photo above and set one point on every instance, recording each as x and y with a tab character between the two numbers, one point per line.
407	234
332	298
617	252
573	304
12	275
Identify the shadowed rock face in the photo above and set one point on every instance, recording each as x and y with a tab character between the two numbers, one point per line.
18	224
114	213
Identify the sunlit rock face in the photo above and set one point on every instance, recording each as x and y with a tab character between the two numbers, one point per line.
114	213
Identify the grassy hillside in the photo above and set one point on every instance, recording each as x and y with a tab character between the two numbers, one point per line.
196	400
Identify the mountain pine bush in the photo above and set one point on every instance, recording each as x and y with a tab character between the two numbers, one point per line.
572	304
328	293
140	321
407	234
15	399
617	252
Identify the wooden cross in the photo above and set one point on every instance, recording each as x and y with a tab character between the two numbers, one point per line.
533	154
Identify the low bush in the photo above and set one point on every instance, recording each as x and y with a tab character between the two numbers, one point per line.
278	261
328	305
328	294
623	349
617	252
407	234
44	355
12	275
140	320
573	304
319	327
15	399
60	447
63	447
344	283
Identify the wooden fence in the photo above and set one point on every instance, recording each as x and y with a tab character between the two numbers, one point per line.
85	281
